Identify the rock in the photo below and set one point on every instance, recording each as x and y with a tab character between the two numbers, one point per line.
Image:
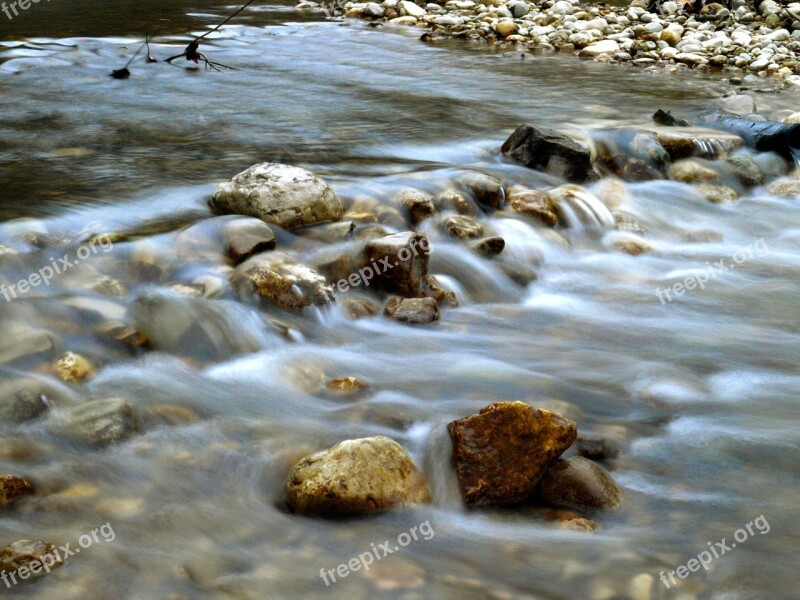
630	243
745	169
534	203
431	288
454	200
717	193
19	344
579	483
687	143
461	227
73	368
596	448
281	194
417	204
101	422
785	187
501	453
346	386
570	520
551	151
24	554
358	308
172	415
413	311
23	399
411	9
487	190
489	246
505	28
519	9
12	488
245	237
672	34
598	48
279	278
691	171
740	104
374	10
399	261
356	477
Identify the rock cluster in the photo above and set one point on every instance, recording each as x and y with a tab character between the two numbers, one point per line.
762	40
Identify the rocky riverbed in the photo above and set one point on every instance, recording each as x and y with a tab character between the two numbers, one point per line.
741	39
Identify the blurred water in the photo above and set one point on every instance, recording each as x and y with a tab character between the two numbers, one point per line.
700	392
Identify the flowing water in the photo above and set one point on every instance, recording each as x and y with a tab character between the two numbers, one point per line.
699	391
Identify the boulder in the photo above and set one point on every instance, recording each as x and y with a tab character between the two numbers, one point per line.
551	151
279	278
356	477
579	483
399	261
12	488
245	237
413	311
101	422
281	194
501	453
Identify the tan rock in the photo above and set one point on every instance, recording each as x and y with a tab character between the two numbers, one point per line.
73	368
535	203
461	227
22	553
346	386
278	277
413	311
417	204
356	477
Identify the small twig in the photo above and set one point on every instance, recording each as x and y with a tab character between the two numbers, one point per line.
124	73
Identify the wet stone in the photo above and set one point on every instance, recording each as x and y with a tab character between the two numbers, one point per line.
244	238
579	483
402	259
22	553
501	453
101	422
73	368
12	488
412	311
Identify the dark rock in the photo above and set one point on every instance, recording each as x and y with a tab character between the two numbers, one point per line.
12	488
579	483
245	237
356	477
402	259
596	448
551	151
23	399
487	190
414	311
489	246
501	453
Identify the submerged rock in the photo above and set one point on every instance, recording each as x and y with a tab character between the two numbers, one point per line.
551	151
461	227
346	386
489	246
535	203
12	488
22	553
23	399
399	261
101	422
356	477
579	483
417	204
413	311
245	237
597	448
501	453
280	278
281	194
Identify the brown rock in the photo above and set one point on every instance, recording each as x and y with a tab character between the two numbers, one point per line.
489	246
22	553
579	483
501	453
279	278
535	203
596	448
691	171
461	227
431	288
454	200
548	150
400	261
358	308
347	386
73	368
356	477
12	488
245	237
487	190
414	311
417	204
568	519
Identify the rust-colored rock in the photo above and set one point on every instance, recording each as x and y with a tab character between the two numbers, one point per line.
501	453
347	386
12	488
579	483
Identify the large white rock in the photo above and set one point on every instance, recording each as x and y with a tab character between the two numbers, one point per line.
412	9
598	48
281	194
